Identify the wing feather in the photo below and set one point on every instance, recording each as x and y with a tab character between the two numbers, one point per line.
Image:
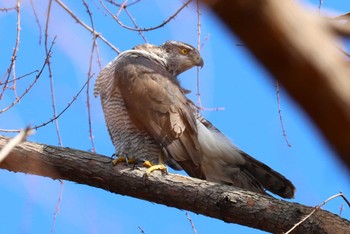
156	103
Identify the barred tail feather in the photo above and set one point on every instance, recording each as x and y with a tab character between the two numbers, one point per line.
268	178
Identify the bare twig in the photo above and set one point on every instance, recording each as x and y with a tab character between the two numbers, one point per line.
8	9
94	45
20	77
212	108
90	16
91	135
119	5
10	130
280	114
320	3
316	208
123	6
141	230
98	57
36	20
135	25
206	38
14	141
142	29
57	209
34	82
191	222
52	88
11	69
68	105
199	46
97	34
199	100
341	208
55	117
53	108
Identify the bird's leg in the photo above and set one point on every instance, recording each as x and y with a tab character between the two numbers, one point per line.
160	166
123	159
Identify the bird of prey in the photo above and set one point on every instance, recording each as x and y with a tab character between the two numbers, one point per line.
150	119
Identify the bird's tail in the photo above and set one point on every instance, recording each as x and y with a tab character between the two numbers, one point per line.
225	163
268	178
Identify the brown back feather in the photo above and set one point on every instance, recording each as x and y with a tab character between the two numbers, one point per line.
156	103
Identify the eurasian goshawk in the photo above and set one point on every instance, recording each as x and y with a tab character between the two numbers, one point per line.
149	118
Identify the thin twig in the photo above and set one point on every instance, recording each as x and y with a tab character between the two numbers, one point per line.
199	100
8	9
11	69
123	6
206	39
90	15
18	29
89	76
97	34
118	5
10	130
68	105
191	222
316	208
53	108
48	55
199	46
57	209
280	114
53	118
20	77
91	135
15	141
52	87
98	57
143	29
36	20
141	230
320	3
136	26
341	208
212	108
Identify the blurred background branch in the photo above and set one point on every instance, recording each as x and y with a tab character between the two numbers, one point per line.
301	51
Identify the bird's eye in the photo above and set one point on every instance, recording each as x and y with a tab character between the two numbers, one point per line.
184	51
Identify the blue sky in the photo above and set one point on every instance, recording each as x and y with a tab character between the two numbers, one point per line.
230	78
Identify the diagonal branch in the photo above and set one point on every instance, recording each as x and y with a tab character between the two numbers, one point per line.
301	51
95	33
223	202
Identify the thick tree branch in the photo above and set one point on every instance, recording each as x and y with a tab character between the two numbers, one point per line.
302	52
218	201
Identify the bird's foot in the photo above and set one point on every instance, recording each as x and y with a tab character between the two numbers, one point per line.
123	159
152	167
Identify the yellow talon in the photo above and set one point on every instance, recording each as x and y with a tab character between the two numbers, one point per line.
123	159
152	167
147	164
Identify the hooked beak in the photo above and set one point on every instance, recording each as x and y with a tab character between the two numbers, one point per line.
199	62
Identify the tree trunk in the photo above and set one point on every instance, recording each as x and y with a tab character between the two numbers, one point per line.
223	202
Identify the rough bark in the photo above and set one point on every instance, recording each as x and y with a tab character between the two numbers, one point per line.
302	52
227	203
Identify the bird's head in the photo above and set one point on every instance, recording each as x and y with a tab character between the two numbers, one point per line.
180	57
